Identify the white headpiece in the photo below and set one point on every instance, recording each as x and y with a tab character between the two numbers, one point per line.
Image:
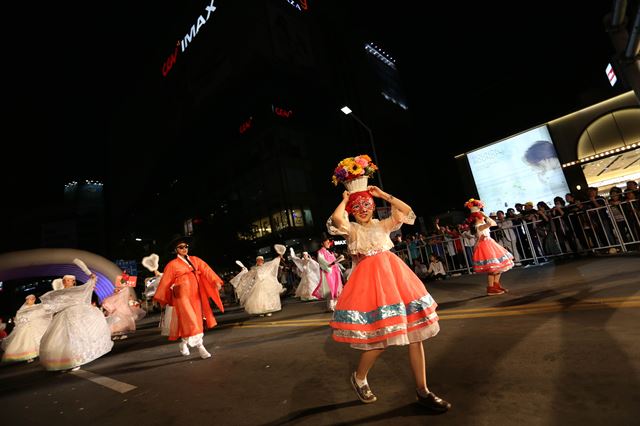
259	257
73	277
57	284
151	262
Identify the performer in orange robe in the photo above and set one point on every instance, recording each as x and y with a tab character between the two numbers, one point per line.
187	283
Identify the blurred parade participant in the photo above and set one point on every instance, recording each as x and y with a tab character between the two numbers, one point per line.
32	321
79	332
309	275
384	302
187	284
329	286
152	263
258	289
121	315
3	329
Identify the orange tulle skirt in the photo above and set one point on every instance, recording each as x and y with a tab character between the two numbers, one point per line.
384	303
490	257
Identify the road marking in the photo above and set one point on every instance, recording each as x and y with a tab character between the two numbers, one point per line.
542	310
107	382
538	308
273	324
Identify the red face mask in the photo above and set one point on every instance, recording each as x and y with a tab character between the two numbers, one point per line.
360	202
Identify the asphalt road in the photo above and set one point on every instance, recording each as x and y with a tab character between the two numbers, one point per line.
561	348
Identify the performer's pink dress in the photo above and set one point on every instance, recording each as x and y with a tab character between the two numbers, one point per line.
330	282
489	256
383	303
122	316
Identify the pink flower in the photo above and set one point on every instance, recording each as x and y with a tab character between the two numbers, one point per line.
361	162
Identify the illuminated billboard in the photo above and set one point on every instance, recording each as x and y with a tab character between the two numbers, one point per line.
521	168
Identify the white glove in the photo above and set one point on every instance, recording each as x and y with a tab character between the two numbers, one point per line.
293	253
240	264
280	249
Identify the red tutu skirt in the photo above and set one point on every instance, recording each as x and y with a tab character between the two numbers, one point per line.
384	303
490	257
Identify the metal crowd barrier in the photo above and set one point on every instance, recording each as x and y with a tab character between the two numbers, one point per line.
606	228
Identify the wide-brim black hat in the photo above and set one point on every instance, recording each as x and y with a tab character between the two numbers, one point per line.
177	239
324	237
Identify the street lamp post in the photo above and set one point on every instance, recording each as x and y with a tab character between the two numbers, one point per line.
347	111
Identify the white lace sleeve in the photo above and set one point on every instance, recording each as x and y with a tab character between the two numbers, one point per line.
238	278
58	300
343	230
300	263
397	218
271	267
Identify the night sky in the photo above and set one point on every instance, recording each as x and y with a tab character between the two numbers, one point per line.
471	76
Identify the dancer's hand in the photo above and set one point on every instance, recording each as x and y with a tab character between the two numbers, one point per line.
375	191
345	196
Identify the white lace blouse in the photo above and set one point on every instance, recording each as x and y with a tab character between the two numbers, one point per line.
485	233
374	237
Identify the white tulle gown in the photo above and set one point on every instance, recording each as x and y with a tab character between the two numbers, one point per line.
309	276
258	289
79	332
23	343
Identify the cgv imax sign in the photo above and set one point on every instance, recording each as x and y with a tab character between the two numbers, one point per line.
186	40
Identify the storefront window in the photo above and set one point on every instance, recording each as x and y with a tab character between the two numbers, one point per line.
261	227
280	220
296	218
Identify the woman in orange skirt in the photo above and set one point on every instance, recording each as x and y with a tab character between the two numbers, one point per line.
489	257
384	303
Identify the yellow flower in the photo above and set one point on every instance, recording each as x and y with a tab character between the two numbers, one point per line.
355	169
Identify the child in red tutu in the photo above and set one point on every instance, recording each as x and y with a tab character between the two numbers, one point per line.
489	257
384	303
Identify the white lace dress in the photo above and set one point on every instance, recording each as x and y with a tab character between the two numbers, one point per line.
79	332
23	343
310	277
258	289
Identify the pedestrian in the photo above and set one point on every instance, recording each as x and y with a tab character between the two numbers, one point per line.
187	284
489	257
384	303
436	268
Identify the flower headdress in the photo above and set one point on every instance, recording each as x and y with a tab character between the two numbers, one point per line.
352	168
474	204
